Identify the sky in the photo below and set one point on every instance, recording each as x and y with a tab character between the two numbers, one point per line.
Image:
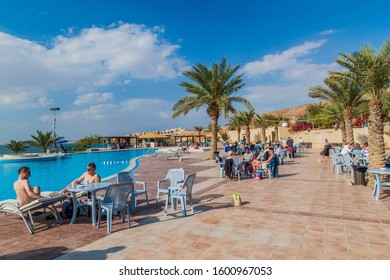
114	67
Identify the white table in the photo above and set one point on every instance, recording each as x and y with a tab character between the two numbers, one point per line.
92	188
377	180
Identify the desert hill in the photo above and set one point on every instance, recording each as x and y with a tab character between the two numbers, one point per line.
290	112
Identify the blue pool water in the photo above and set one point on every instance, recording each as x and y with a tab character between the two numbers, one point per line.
55	175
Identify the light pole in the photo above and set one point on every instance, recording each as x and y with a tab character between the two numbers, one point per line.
54	126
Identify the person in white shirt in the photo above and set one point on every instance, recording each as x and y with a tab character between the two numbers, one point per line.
347	149
277	149
365	151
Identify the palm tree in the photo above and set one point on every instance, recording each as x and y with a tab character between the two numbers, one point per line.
246	119
199	129
213	88
371	71
224	136
209	128
263	122
335	113
275	121
235	124
343	92
16	146
42	140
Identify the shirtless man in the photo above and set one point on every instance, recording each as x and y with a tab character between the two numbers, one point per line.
25	193
89	176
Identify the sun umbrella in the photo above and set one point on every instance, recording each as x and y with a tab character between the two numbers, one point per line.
62	141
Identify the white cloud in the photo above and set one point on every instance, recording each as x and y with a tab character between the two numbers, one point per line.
23	99
328	32
129	116
288	62
44	101
261	96
290	76
86	61
93	98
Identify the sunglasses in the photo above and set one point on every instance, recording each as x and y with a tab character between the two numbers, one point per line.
89	169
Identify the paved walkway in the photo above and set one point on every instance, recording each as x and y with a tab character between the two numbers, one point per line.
307	213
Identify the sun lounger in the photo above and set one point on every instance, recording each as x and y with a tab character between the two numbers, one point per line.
174	153
11	206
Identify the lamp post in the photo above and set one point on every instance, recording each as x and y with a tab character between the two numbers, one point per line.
54	126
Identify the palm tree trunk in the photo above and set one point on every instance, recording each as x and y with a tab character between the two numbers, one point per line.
343	132
276	133
263	132
376	142
248	134
214	136
238	134
348	125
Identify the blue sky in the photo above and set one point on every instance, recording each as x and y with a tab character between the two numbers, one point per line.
113	67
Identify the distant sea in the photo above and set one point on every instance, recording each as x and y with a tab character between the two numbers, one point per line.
5	151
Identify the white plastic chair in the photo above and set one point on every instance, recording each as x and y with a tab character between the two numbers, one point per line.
337	150
115	199
182	192
347	163
356	153
221	166
237	168
378	184
127	176
174	176
337	163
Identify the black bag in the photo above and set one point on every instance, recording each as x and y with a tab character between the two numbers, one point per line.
322	152
67	209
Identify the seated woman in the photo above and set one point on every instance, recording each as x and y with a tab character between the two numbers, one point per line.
247	158
256	162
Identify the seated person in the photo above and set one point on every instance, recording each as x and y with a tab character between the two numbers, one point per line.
25	193
357	147
228	167
347	149
256	162
247	158
63	149
365	151
266	153
89	176
273	162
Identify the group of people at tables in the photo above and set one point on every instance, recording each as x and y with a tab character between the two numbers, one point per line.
239	148
25	193
351	149
250	162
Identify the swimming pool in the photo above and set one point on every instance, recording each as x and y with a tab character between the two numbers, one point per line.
55	175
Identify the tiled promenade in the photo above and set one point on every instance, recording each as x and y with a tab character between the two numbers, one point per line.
307	213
